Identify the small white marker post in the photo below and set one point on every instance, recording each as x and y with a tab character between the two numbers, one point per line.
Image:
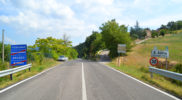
121	50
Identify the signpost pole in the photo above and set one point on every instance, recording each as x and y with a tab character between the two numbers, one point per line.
166	63
151	75
3	45
123	59
11	76
121	49
119	60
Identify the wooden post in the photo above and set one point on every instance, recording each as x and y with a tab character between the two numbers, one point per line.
11	76
166	63
151	75
119	60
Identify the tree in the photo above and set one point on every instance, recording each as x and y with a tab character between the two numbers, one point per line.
154	34
136	32
81	49
114	34
7	50
97	44
55	47
66	40
163	32
91	46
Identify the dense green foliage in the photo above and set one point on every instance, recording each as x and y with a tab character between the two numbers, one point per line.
172	25
6	56
154	34
52	47
91	46
136	32
114	34
163	32
110	36
43	48
7	49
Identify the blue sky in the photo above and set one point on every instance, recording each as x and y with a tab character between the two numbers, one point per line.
26	20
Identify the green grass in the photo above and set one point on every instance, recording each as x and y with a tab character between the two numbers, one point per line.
36	68
137	62
143	74
174	43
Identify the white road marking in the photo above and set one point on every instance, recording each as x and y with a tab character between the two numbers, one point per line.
84	93
175	98
5	89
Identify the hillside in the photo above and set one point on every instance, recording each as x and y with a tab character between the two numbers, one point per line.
137	62
140	54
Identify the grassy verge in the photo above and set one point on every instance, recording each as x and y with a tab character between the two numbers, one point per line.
137	62
157	80
36	68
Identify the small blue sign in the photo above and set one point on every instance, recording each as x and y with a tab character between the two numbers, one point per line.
18	55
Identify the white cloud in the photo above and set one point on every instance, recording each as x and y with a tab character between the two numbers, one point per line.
79	18
54	18
3	1
176	1
9	41
97	2
4	19
157	22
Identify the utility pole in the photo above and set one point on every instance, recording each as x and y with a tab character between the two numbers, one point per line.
3	45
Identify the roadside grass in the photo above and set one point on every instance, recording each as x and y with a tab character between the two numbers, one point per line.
143	74
136	62
141	53
35	69
174	43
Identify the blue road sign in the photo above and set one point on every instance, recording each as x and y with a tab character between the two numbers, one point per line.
18	55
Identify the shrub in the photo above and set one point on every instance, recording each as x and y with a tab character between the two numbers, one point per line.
3	65
38	57
54	55
178	68
154	34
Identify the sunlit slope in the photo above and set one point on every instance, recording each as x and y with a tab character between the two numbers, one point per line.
141	53
136	62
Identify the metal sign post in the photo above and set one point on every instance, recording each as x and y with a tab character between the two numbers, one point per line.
18	56
153	61
162	54
121	50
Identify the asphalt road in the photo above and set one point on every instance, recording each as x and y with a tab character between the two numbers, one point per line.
82	80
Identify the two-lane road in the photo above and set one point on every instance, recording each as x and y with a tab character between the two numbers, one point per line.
82	80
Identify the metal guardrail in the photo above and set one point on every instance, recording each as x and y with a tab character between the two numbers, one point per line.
14	70
169	74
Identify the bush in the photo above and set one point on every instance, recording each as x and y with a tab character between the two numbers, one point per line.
54	55
163	32
178	68
3	66
38	57
154	34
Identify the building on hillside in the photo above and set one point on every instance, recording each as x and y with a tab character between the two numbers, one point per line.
148	34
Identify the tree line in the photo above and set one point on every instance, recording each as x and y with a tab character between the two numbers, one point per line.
43	48
111	34
52	48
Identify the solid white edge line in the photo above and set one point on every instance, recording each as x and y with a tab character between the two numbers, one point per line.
165	93
84	94
5	89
